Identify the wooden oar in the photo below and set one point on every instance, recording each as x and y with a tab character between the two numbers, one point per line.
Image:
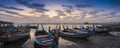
63	27
50	33
18	28
37	27
49	29
93	27
82	27
67	27
56	26
59	27
75	26
42	28
72	26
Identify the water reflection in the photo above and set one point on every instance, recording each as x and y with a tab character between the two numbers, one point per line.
30	42
63	43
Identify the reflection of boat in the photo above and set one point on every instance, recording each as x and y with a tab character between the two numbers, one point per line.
11	34
76	33
46	39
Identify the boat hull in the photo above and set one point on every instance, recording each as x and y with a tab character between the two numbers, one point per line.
75	36
43	41
14	37
101	31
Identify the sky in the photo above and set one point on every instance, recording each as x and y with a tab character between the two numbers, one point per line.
60	11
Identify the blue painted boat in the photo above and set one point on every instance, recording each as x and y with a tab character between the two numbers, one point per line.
12	34
46	39
76	32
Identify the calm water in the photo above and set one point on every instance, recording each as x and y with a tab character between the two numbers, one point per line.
111	40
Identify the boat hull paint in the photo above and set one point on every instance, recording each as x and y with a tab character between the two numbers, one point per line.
102	31
50	43
14	37
74	36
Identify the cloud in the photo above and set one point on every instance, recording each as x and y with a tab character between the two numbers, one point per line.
41	10
93	12
60	13
103	14
68	9
56	17
13	13
23	2
96	13
36	6
77	10
10	12
13	8
68	17
83	6
44	16
76	1
8	15
5	15
68	6
113	14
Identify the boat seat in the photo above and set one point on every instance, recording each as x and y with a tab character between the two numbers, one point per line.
43	36
45	41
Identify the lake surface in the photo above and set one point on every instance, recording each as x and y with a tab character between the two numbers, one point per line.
111	40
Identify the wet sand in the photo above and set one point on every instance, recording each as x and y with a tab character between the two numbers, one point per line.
95	41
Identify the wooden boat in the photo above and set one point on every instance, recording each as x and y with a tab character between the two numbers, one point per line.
100	29
76	33
12	34
46	39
